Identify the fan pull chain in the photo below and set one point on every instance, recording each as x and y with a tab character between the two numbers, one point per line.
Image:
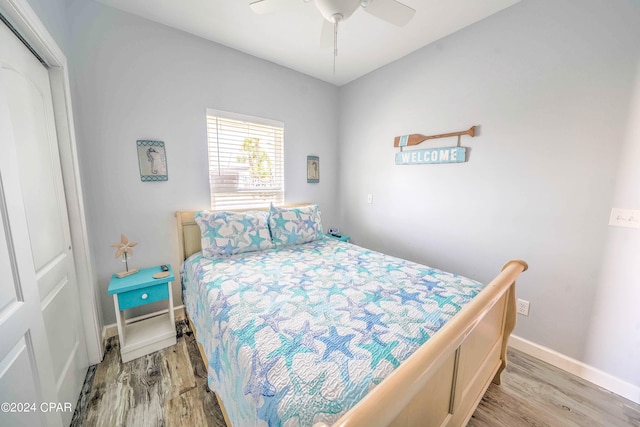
335	45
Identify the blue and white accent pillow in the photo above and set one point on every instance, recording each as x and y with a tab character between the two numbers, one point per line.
293	226
229	233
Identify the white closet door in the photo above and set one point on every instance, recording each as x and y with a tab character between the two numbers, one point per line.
27	119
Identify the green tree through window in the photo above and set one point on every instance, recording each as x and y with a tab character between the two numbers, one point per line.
259	162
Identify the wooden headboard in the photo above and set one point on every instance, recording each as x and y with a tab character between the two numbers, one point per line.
188	234
189	231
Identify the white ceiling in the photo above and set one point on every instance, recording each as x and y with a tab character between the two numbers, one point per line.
291	36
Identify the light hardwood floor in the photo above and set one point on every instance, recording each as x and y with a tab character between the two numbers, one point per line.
168	388
534	393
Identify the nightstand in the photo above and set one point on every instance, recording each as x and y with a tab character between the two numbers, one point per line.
157	330
342	237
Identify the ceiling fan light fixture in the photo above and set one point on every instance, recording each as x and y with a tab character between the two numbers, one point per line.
330	8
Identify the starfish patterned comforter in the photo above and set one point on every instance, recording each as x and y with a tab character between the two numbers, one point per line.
299	334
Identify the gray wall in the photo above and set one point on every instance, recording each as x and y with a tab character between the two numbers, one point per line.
135	79
550	84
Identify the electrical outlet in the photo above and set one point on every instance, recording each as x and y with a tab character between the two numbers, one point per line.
523	307
369	198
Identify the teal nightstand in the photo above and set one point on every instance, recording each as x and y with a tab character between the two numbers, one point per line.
342	238
155	331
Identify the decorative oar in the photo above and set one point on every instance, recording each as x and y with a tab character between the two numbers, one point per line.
415	139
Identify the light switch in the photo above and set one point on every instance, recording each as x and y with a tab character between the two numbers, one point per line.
625	218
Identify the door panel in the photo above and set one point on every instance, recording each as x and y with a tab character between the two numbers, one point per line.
17	385
37	162
61	329
49	276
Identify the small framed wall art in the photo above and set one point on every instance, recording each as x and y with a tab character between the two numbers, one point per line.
313	169
152	159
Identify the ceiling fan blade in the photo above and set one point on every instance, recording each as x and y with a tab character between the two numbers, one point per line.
326	35
391	11
262	7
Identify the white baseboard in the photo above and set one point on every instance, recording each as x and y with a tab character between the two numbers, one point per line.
577	368
111	330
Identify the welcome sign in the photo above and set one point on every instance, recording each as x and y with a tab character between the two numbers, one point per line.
432	155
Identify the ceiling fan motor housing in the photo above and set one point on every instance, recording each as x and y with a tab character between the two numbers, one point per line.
337	10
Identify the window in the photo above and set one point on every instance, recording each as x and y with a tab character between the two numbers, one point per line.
246	160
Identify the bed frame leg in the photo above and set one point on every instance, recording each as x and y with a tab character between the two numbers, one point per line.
497	378
509	325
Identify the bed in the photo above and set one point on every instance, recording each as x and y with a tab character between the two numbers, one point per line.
323	332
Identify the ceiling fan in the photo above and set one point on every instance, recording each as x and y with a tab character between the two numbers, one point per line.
336	11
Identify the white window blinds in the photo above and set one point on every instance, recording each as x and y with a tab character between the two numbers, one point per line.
246	160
